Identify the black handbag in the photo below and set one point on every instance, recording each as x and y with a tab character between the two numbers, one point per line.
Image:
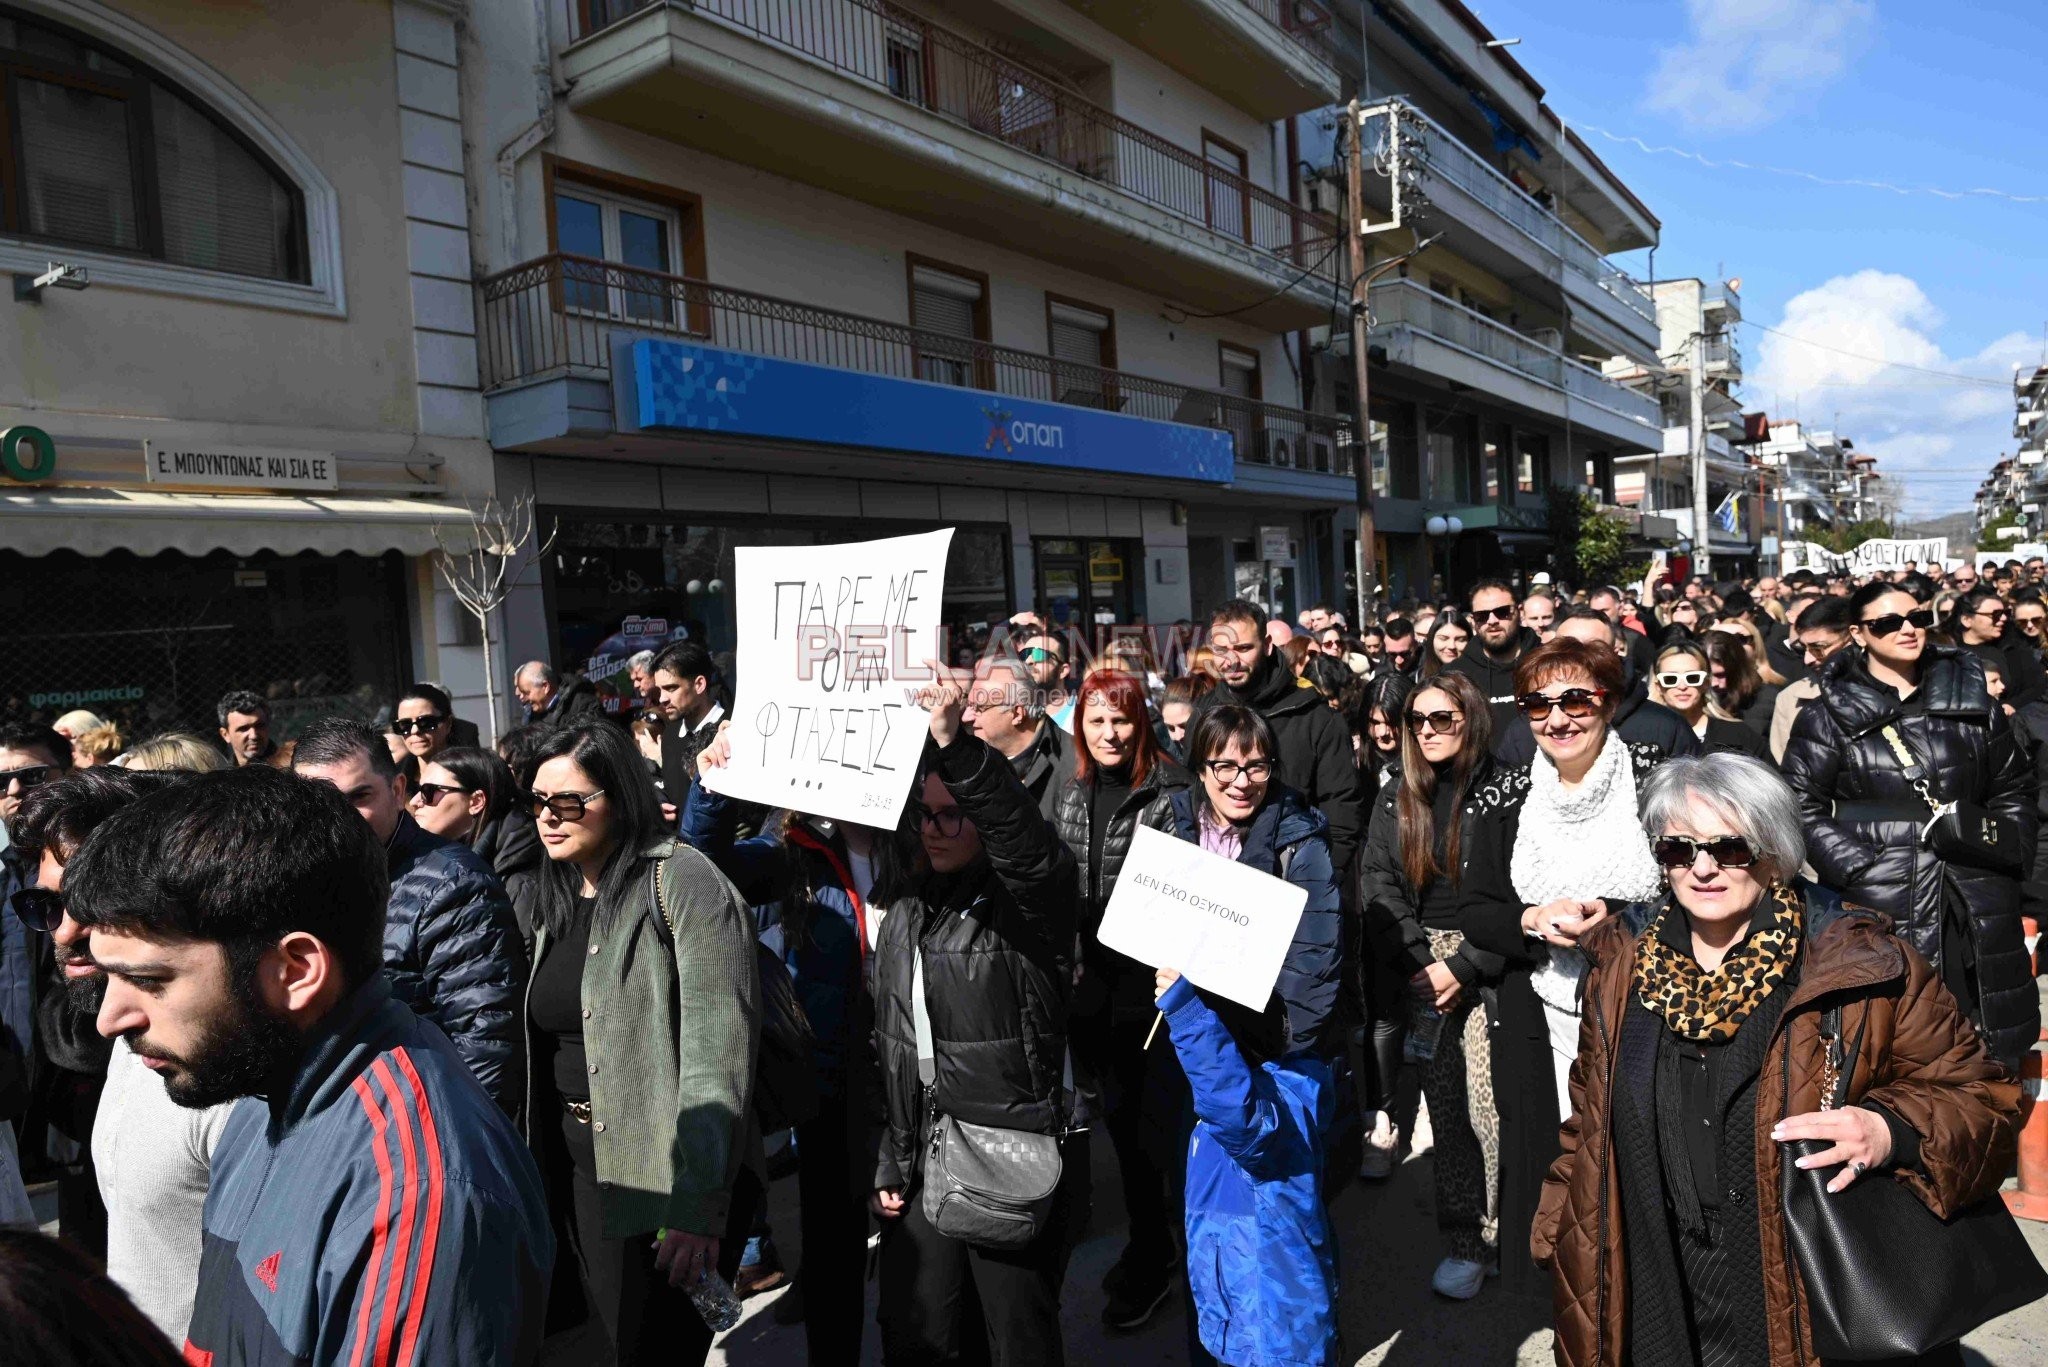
1884	1276
1962	832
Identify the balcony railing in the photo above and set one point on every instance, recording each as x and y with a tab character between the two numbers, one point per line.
558	315
1305	21
916	61
1404	301
1455	162
1721	353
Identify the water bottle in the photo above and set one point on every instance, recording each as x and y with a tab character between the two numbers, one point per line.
715	1301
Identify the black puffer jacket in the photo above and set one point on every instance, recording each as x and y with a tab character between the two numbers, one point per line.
510	844
1126	983
1316	758
998	942
1863	817
1391	916
452	953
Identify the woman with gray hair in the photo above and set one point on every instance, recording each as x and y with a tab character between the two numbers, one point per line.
1703	1051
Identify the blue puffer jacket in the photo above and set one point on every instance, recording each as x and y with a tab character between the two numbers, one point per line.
1261	1262
799	885
1290	839
452	953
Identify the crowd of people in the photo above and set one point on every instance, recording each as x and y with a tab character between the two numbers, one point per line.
381	1044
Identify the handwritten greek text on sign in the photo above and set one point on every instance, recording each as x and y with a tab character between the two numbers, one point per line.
1225	926
831	652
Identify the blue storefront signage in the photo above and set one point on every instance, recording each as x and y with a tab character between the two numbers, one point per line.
686	387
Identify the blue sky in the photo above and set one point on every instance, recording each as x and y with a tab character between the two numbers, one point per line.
1910	92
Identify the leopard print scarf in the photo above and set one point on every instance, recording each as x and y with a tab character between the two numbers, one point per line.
1699	1005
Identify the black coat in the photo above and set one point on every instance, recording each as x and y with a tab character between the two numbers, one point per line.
1863	818
2030	729
1043	763
1316	758
1391	918
1636	720
1495	678
998	945
2026	678
511	846
1738	736
1109	978
575	704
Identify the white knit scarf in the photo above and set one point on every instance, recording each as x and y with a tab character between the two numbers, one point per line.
1586	843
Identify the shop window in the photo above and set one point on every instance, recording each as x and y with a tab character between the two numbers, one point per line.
949	308
102	153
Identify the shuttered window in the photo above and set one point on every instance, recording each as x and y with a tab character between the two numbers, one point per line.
950	306
1078	334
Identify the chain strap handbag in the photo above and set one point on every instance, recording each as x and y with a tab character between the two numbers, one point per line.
1961	832
982	1184
1885	1277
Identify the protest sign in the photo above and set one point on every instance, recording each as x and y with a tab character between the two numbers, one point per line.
2020	550
1225	927
1870	555
831	651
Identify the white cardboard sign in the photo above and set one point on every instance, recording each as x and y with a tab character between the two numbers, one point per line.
1225	926
831	651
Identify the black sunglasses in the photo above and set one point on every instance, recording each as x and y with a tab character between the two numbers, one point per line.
39	908
1576	702
1892	621
405	726
432	793
565	806
947	821
1727	851
1443	723
35	775
1504	613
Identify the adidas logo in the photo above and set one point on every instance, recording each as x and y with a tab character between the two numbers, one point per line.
266	1271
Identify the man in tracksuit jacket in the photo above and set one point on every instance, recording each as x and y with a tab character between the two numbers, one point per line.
369	1204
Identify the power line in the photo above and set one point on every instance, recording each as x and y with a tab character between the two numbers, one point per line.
1877	360
1664	149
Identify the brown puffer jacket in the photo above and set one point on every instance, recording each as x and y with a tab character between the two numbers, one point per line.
1920	1059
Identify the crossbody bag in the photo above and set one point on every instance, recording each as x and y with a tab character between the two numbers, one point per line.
1961	832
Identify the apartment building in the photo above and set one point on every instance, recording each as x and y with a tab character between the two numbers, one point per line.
1809	470
1488	348
238	387
762	274
2029	475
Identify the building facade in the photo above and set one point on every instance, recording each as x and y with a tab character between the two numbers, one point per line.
243	396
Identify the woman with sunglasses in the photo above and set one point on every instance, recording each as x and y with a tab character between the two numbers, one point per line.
643	1024
1981	618
1680	682
1556	847
468	795
1902	725
1413	870
1703	1054
424	719
1448	637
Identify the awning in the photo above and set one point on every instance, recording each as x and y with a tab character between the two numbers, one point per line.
96	521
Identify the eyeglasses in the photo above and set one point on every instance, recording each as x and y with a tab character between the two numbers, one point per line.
2030	623
1039	657
947	821
1819	647
565	806
1576	702
1504	613
430	794
1229	770
39	908
1681	678
1680	851
1443	723
1922	620
405	726
34	776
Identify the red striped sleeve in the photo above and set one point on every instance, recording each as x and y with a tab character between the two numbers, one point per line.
430	1141
408	1199
381	1230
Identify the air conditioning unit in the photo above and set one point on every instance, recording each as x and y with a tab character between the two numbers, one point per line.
1323	455
1276	450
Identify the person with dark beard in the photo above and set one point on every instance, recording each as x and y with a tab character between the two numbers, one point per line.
375	1199
151	1157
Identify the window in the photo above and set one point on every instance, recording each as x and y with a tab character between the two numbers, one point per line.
1532	463
1448	449
905	62
1240	380
1493	457
1082	342
1229	209
643	238
100	152
950	307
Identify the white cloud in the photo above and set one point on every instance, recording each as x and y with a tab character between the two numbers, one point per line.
1937	435
1746	62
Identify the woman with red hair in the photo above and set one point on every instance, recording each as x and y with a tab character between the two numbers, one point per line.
1120	780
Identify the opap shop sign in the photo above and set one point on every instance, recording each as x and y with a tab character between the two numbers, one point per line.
237	467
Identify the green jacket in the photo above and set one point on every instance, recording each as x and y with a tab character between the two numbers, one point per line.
671	1110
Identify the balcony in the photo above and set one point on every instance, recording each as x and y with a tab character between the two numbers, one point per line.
1270	58
1721	303
1500	226
874	102
562	318
1431	334
1721	358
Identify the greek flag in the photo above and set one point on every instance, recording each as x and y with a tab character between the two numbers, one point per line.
1728	516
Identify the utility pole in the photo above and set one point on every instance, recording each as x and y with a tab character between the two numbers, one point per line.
1361	365
1696	436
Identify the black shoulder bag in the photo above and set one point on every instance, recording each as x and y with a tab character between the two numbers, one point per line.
1962	832
1885	1277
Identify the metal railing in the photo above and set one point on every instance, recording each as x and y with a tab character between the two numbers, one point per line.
1404	301
558	315
916	61
1721	353
1305	21
1450	158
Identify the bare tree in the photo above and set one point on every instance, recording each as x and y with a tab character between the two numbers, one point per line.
479	567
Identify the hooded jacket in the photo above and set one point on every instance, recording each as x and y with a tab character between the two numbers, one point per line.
1262	1265
998	944
1150	803
1314	744
1919	1062
1290	839
453	953
1863	817
1495	678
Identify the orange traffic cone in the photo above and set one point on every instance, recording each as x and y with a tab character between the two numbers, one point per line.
2030	1202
